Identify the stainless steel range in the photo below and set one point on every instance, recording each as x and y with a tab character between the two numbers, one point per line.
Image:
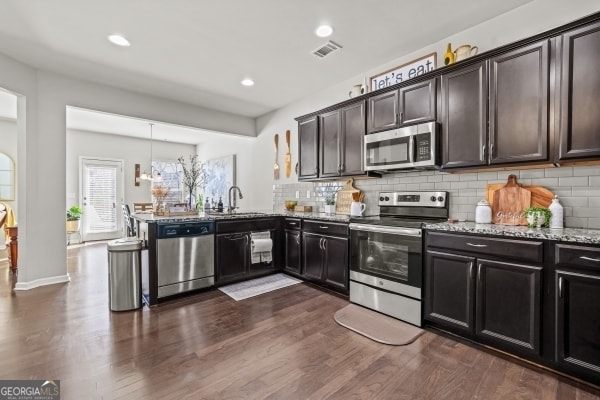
386	266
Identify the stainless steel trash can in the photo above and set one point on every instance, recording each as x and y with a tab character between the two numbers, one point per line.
124	274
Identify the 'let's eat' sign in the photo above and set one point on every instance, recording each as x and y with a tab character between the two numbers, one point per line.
404	72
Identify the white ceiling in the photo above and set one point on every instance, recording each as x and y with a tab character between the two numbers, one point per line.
198	51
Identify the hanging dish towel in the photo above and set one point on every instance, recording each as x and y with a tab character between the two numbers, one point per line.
261	247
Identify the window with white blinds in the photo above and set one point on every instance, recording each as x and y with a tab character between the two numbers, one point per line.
101	198
170	188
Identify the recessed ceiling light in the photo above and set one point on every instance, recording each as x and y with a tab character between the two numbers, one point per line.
247	82
324	31
119	40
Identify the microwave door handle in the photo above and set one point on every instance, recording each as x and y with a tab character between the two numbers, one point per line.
411	149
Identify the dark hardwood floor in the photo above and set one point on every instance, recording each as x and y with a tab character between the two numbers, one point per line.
281	345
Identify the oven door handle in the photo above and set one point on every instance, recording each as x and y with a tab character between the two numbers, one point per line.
386	229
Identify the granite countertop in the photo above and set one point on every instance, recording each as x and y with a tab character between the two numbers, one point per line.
587	236
150	218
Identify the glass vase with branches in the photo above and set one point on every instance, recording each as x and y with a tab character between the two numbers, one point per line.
194	175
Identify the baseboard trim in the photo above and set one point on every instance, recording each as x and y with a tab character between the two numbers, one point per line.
42	282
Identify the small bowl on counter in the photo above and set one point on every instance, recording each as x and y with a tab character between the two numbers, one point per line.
290	205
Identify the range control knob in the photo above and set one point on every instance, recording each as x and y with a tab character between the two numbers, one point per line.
440	199
432	198
387	198
380	198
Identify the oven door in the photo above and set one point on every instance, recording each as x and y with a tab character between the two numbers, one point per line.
390	253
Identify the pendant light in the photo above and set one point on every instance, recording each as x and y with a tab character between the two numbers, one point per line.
152	176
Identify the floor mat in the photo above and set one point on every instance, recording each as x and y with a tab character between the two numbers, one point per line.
376	326
255	287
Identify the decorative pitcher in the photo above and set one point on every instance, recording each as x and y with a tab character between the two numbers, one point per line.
357	208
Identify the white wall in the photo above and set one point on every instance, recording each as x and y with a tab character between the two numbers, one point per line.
131	150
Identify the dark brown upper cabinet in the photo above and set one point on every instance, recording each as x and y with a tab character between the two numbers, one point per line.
308	148
497	111
404	106
339	143
519	103
464	109
579	120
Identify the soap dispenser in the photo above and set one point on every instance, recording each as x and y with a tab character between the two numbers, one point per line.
220	205
556	220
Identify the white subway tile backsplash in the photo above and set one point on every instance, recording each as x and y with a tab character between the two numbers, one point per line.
578	189
574	181
557	172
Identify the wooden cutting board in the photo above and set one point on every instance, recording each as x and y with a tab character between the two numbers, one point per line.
344	197
514	197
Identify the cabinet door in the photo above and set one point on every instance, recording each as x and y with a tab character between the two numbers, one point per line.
232	256
335	261
383	112
352	146
578	321
308	148
329	151
292	252
508	305
579	88
464	117
417	103
312	256
449	290
519	86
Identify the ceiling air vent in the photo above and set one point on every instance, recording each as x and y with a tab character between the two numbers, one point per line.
326	49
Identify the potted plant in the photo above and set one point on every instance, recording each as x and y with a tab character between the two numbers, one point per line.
330	204
537	217
74	218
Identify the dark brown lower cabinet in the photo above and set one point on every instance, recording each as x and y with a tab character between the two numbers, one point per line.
577	303
491	301
293	251
233	250
325	256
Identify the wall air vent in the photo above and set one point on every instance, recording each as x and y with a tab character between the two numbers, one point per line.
326	49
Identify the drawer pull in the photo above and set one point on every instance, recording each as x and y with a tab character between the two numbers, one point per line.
476	245
291	223
590	259
323	227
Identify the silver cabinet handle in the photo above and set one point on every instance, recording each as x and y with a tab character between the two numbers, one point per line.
471	270
479	273
298	240
560	287
590	259
491	150
292	223
476	245
323	227
324	244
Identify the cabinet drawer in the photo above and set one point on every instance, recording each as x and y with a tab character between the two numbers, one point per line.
246	225
577	256
326	228
292	223
532	251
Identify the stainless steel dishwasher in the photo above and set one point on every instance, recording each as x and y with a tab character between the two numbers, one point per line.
185	256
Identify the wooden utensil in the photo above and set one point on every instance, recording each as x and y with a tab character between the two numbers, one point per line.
288	156
511	199
276	166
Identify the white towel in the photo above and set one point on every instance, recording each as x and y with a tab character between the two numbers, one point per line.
262	246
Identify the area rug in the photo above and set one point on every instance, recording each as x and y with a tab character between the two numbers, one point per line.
255	287
376	326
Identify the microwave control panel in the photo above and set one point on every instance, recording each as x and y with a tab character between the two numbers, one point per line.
423	144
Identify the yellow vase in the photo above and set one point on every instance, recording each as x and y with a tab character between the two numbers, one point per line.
449	56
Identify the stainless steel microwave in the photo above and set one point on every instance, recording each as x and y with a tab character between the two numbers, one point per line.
403	148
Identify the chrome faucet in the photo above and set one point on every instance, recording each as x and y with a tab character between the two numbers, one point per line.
230	208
